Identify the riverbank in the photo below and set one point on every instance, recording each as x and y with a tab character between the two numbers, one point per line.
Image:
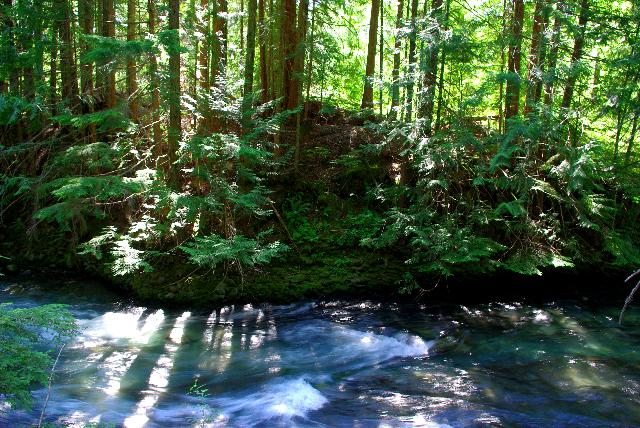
367	277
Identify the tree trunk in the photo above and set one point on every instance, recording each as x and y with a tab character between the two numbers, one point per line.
219	43
287	50
53	72
412	60
249	61
300	51
109	28
264	72
553	55
39	59
175	115
85	12
512	106
14	75
381	53
442	63
303	10
28	86
5	21
132	79
311	51
203	66
632	134
367	95
67	58
535	54
272	68
395	73
241	26
503	37
578	47
153	79
429	82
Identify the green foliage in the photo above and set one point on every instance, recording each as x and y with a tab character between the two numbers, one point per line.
296	211
104	50
104	120
212	250
206	415
28	339
359	228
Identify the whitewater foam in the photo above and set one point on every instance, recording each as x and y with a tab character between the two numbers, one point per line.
282	399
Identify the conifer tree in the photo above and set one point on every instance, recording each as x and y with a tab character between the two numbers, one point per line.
367	96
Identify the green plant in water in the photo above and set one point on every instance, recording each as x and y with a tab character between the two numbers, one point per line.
206	415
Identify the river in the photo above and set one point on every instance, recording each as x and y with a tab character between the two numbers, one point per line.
338	364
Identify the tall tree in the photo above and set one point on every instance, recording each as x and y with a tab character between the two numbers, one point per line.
634	130
512	98
153	79
203	64
503	38
219	43
109	30
132	79
28	84
250	57
67	58
53	71
367	95
381	53
303	10
553	54
412	60
264	72
85	15
311	53
395	73
175	114
443	59
429	81
300	52
540	16
5	21
576	55
287	51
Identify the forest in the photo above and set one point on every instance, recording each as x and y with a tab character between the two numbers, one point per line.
319	213
263	150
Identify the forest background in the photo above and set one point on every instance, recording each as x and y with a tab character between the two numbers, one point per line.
272	149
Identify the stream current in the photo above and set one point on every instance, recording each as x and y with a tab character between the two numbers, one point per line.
338	364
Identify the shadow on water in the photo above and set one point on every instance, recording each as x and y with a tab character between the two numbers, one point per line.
345	363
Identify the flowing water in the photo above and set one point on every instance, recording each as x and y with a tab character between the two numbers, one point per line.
339	364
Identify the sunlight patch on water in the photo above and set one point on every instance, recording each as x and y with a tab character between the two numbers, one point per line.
116	365
207	336
421	421
121	326
159	378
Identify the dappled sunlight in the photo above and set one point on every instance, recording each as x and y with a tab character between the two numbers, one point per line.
121	326
115	366
114	326
159	378
456	384
586	375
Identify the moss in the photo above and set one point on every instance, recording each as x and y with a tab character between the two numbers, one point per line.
288	280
